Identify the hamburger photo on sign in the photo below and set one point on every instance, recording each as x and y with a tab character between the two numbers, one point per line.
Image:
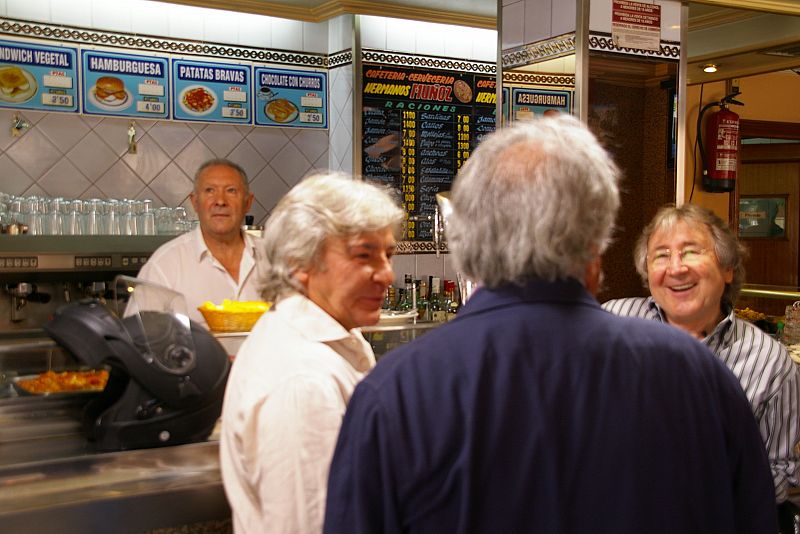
109	91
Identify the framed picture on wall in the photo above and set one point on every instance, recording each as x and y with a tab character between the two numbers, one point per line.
762	217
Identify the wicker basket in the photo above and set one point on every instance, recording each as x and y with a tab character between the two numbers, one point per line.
230	321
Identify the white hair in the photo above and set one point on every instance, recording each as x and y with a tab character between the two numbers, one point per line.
537	199
321	206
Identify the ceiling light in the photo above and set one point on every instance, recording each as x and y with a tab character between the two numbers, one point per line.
709	68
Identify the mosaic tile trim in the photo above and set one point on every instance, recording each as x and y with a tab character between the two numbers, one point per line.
559	80
603	42
419	247
157	44
543	50
339	59
565	44
431	62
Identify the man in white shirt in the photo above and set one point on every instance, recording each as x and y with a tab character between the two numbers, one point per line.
329	242
216	261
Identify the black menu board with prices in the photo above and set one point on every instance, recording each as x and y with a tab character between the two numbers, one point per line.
419	127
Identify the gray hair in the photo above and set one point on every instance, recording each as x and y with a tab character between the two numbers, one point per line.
319	207
731	254
537	199
224	162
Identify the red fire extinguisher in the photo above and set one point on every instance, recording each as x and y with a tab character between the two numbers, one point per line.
720	155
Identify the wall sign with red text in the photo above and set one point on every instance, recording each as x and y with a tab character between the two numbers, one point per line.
419	127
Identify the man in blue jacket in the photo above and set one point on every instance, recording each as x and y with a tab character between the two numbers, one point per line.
535	410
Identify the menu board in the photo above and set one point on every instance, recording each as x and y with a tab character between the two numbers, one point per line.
293	98
125	84
38	77
529	102
419	127
210	92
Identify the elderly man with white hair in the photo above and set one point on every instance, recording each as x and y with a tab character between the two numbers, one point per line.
535	410
329	243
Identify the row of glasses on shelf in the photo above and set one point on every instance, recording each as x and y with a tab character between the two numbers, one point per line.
41	215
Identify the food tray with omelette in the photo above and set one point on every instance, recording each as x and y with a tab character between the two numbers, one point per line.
61	382
233	316
17	85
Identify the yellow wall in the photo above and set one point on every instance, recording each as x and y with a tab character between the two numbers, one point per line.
768	97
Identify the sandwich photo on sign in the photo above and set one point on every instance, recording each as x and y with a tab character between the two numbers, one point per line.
16	84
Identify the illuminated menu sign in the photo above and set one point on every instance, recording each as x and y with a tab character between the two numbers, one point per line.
125	84
38	77
419	127
293	98
211	92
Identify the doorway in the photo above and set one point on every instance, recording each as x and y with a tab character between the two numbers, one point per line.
766	207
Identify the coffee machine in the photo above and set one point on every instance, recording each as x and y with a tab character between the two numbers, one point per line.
40	273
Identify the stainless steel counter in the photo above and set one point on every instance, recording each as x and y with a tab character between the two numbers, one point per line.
120	492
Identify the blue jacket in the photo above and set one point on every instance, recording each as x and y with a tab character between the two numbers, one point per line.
537	411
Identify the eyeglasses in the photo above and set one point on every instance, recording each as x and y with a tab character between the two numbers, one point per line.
689	257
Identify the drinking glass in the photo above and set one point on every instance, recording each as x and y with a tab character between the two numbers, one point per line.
147	218
93	221
73	223
128	223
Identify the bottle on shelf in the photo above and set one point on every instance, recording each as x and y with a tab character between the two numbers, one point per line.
408	300
451	299
387	299
438	313
422	300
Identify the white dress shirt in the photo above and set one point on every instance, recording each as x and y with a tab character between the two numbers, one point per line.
284	404
185	265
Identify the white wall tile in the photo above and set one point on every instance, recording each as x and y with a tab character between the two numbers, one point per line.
340	33
221	26
73	13
373	32
513	25
484	45
430	41
111	16
537	22
430	265
3	8
287	34
600	16
563	17
315	37
460	48
401	35
670	20
255	31
185	22
148	18
38	10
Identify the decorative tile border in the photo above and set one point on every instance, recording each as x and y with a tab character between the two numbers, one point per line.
158	44
339	59
430	62
565	45
419	247
555	80
561	45
603	42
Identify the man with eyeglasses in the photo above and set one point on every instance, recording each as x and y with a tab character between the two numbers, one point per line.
693	265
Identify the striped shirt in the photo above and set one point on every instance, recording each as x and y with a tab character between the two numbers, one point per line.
770	379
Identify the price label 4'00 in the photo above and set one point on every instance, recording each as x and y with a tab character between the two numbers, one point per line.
311	117
50	99
150	107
